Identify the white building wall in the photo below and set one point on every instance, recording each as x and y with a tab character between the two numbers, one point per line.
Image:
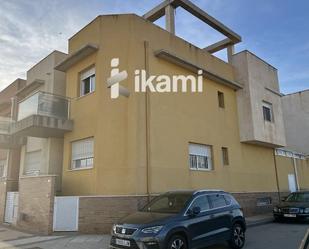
296	121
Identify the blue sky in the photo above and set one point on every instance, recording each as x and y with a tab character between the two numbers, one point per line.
275	30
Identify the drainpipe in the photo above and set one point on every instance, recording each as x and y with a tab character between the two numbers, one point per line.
147	106
295	171
277	178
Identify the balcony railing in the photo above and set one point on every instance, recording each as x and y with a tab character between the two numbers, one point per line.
44	104
5	125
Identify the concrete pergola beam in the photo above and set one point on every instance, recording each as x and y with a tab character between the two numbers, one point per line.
160	10
219	46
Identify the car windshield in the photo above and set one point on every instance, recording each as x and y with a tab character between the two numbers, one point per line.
168	203
298	197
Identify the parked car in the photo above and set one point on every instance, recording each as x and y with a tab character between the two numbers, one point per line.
183	220
295	206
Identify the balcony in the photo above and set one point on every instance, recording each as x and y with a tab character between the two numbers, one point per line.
42	115
7	141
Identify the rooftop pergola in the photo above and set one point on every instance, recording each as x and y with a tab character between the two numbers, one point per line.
167	9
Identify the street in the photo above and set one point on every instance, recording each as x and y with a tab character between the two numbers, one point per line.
273	236
268	236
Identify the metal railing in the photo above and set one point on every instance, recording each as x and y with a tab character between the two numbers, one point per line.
45	104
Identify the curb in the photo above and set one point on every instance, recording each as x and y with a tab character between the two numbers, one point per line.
260	222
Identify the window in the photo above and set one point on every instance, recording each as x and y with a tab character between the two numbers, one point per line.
268	112
225	156
202	202
168	203
200	157
2	167
217	201
32	162
87	81
221	99
82	154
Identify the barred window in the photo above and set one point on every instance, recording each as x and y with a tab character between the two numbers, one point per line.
200	157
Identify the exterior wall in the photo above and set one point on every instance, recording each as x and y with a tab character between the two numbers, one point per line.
3	191
13	155
98	214
6	95
176	119
51	148
260	83
44	70
12	173
36	203
296	121
285	166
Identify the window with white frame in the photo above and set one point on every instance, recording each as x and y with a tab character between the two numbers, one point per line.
2	167
87	81
200	156
268	111
82	154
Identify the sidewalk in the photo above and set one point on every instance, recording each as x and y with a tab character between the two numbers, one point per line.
259	219
11	238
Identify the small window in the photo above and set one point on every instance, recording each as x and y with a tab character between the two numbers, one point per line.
202	202
217	201
221	99
87	81
225	156
268	112
82	154
200	157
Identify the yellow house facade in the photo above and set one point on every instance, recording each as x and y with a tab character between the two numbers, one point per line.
113	154
142	144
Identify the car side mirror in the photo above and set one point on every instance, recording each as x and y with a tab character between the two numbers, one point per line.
283	199
194	212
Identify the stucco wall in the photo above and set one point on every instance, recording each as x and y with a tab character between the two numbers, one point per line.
119	130
285	166
260	81
296	121
36	204
3	190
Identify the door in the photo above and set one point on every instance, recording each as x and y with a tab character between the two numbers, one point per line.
11	207
221	216
199	226
292	182
66	214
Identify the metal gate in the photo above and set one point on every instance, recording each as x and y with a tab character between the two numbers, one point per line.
66	214
11	207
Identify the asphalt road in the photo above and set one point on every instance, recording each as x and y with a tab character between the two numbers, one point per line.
273	236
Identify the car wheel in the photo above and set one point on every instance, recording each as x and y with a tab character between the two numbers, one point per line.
177	242
238	237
